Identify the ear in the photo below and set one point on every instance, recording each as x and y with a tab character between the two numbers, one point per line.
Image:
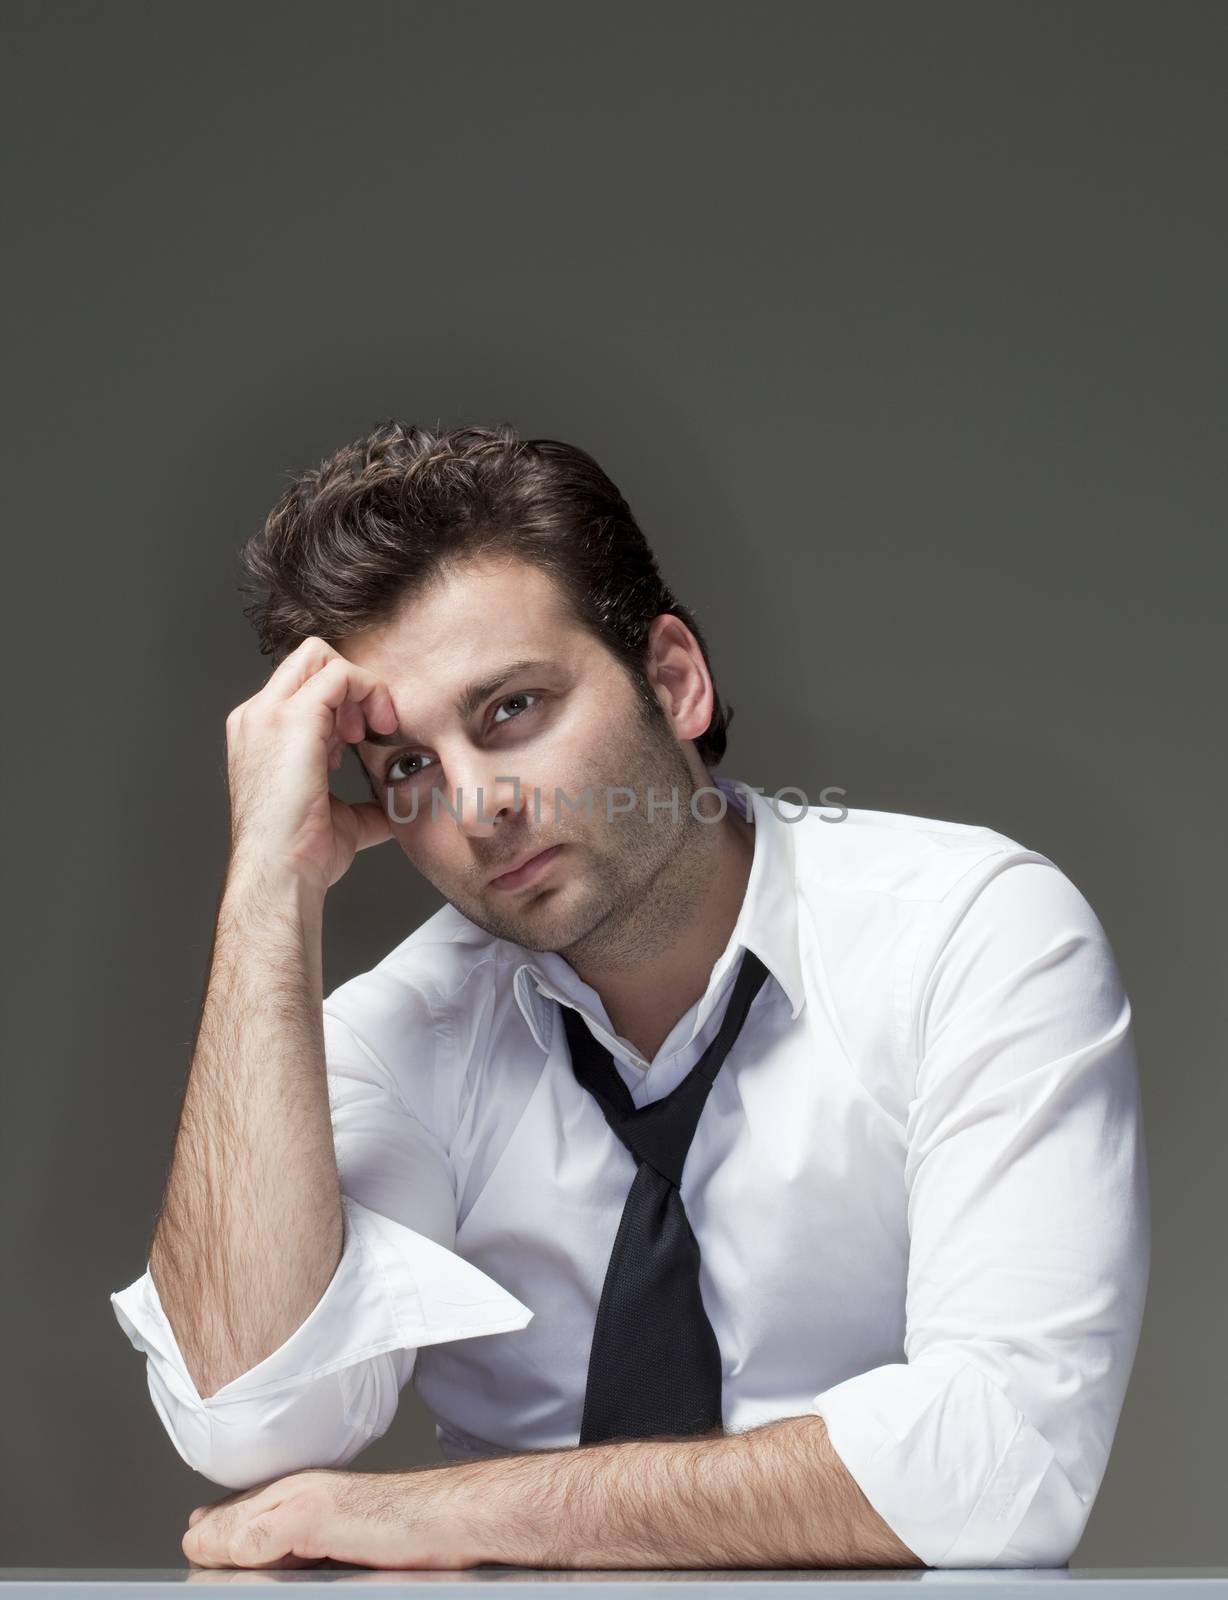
675	667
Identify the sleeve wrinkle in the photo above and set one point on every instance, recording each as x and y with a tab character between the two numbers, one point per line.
334	1382
1027	1229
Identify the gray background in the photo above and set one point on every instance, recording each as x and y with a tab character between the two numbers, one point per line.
901	327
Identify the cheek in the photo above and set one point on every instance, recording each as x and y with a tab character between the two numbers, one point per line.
419	841
434	846
408	809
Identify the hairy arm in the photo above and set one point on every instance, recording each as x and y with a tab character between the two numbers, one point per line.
774	1496
250	1229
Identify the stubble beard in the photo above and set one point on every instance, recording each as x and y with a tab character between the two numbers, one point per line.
648	883
643	875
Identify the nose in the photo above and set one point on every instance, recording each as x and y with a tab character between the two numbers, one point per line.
486	798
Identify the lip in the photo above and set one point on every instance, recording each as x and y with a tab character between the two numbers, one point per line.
527	871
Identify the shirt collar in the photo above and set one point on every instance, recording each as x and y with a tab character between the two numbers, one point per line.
767	924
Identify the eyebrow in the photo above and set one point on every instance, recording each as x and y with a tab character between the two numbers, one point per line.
467	702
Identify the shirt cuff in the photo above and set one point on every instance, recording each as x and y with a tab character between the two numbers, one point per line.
952	1466
393	1289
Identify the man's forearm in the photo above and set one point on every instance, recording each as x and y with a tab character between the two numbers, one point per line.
250	1230
775	1496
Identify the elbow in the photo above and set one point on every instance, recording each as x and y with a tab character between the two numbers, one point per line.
240	1443
1053	1526
960	1473
1047	1535
241	1457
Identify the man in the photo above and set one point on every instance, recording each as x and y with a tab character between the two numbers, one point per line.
739	1184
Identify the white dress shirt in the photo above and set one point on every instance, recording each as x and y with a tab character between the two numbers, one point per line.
918	1185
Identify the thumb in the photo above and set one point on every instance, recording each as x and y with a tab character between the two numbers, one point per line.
373	824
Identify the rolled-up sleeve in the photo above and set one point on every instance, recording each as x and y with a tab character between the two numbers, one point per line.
1029	1250
334	1384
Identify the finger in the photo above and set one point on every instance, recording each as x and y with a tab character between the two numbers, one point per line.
277	1536
351	723
357	697
308	660
214	1540
209	1523
373	710
259	1541
303	662
374	826
340	681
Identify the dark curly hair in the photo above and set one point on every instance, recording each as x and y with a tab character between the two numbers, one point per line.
376	521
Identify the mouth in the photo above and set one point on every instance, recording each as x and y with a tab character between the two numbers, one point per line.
528	871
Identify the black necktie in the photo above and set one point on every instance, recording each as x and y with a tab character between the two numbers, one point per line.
655	1366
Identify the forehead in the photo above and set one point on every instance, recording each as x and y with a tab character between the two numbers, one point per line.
471	618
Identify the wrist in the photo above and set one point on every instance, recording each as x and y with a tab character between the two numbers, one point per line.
493	1512
253	883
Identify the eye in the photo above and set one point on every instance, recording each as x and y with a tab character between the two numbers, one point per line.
511	700
390	776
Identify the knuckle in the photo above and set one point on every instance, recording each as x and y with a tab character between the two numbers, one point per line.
251	1538
330	673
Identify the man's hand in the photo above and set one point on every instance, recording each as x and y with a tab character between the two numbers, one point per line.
280	747
372	1519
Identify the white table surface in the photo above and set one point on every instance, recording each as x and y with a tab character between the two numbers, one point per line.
523	1583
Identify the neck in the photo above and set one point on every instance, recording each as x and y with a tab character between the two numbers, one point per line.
646	995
